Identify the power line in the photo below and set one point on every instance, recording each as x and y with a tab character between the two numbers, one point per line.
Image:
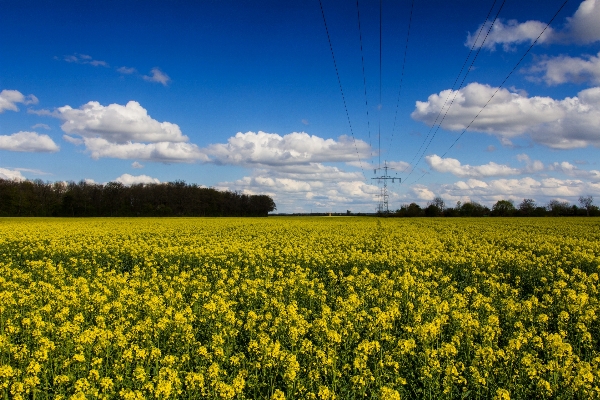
456	92
341	89
379	106
453	85
364	76
505	79
402	74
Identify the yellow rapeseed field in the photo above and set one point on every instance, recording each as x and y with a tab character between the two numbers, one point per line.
293	308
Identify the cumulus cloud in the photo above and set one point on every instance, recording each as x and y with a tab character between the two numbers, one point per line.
453	166
295	148
28	142
160	151
531	166
563	69
573	171
129	180
117	123
582	28
305	194
11	174
125	132
423	193
128	132
561	124
10	98
136	165
518	189
156	75
509	33
313	186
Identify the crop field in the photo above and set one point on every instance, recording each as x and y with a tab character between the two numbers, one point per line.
300	308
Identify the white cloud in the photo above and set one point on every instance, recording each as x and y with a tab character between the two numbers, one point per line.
156	75
541	190
562	124
84	59
582	28
573	171
73	140
10	98
423	193
11	175
160	152
96	63
126	70
44	126
28	142
117	123
398	166
563	69
129	180
312	172
530	166
32	171
509	33
295	148
454	167
316	187
126	132
136	165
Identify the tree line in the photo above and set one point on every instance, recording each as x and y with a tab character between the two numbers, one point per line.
502	208
69	199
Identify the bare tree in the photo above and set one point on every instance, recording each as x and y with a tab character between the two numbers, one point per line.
438	202
586	202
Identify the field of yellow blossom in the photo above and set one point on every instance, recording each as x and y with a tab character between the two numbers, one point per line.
300	308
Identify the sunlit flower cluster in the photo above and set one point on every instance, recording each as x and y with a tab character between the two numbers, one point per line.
293	308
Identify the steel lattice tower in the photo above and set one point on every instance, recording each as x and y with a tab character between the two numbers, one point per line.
383	206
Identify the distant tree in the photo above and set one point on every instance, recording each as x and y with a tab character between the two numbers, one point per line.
559	208
503	208
410	210
473	209
438	202
435	207
70	199
586	203
432	211
527	207
451	212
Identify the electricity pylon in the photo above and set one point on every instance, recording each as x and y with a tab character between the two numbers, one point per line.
383	202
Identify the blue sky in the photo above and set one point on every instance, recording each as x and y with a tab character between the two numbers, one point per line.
243	95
